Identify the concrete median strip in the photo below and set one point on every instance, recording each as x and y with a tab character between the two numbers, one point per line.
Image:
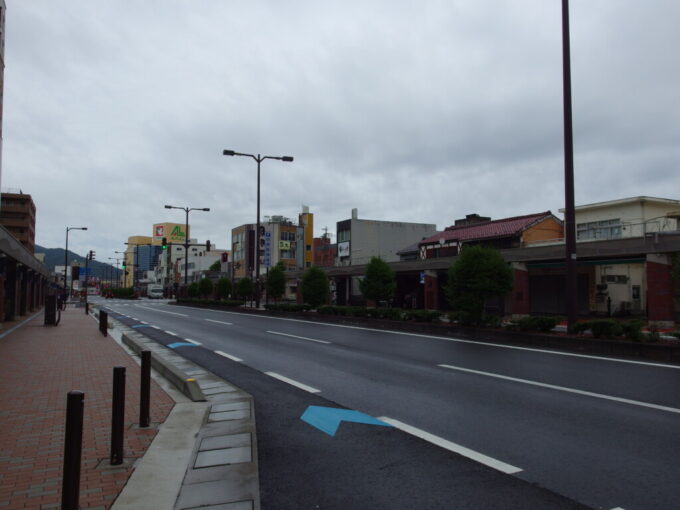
205	454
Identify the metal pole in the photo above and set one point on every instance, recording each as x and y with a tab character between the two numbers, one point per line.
145	390
117	416
569	215
66	265
186	251
73	440
257	239
87	279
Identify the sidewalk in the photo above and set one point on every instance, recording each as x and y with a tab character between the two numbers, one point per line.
39	366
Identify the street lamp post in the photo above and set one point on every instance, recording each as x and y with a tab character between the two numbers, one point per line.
259	159
66	257
186	236
116	259
571	304
123	259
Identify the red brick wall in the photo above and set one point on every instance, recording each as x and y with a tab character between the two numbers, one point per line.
659	292
520	293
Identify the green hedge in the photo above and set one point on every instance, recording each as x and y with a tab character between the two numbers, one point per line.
123	293
381	313
287	307
211	302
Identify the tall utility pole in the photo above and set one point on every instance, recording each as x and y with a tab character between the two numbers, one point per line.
186	237
569	216
259	159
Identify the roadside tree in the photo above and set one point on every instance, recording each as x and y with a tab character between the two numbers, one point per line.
244	288
378	283
315	287
478	274
276	282
205	287
223	288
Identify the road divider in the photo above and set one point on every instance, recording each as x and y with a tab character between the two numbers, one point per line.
566	389
299	337
453	447
293	382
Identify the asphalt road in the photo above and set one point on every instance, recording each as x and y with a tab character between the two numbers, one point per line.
601	431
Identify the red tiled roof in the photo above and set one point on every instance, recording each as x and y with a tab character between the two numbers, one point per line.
487	230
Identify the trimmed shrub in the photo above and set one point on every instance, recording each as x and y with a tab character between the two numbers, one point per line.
604	328
632	330
422	315
539	323
287	307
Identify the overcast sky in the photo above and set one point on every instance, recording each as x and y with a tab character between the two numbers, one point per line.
409	111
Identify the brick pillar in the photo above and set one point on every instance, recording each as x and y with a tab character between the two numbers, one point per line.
2	298
11	293
298	293
659	291
519	300
431	291
22	298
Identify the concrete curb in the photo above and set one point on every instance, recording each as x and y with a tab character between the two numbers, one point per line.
211	441
187	385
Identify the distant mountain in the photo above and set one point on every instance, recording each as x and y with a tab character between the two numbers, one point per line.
55	257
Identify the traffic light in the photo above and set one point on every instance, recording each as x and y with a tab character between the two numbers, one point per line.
124	264
207	245
164	243
92	254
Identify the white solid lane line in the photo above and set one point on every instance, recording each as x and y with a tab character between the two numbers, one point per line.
293	382
299	337
568	390
459	340
453	447
233	358
163	311
219	322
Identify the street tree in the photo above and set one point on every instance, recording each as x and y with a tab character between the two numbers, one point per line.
205	287
478	274
378	283
315	287
223	288
276	281
193	290
215	266
244	288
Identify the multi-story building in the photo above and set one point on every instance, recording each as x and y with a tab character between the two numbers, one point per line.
359	240
17	215
324	251
627	217
305	254
243	251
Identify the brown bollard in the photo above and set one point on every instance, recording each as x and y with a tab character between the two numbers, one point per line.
145	390
73	441
118	416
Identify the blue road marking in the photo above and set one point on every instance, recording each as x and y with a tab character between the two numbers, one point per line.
141	326
180	344
328	419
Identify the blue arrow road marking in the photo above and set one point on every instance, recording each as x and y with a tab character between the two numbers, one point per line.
327	419
180	344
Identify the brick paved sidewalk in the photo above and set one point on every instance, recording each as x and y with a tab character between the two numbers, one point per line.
39	366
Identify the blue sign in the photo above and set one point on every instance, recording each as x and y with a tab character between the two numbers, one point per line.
180	344
328	419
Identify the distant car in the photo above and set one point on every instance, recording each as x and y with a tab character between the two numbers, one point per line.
154	291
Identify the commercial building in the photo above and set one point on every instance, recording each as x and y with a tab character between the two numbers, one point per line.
17	215
359	240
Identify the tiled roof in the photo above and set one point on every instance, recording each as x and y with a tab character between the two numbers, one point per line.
487	230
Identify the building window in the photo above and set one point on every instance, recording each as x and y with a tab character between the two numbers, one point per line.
606	229
343	235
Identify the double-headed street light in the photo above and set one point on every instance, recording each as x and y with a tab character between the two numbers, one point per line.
186	236
259	160
66	256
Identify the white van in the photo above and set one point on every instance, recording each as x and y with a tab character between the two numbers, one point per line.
154	291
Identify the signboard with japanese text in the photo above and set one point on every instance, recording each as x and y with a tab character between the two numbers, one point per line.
174	233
